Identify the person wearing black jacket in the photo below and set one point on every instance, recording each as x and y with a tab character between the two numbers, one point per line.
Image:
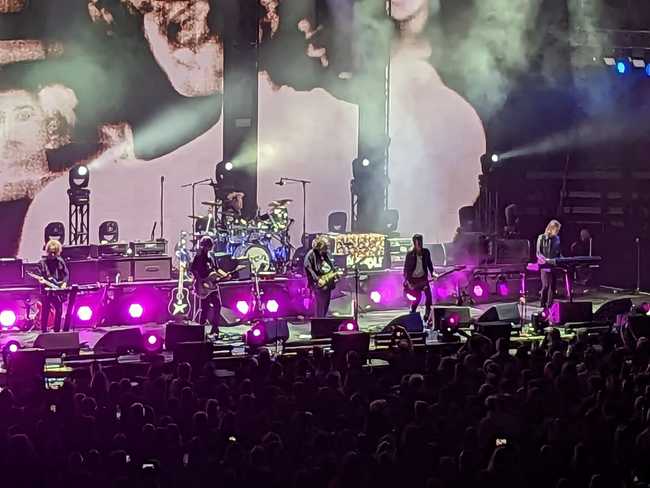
53	269
317	264
548	248
417	268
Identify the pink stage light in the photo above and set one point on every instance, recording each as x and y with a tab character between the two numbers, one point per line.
7	318
272	305
85	313
349	326
136	310
410	297
152	340
478	291
375	296
257	332
13	347
242	307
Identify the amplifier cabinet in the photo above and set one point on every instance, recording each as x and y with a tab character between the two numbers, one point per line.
152	268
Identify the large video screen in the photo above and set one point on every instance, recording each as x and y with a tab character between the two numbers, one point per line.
134	88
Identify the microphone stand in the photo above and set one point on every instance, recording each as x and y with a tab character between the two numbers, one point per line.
304	184
193	185
162	194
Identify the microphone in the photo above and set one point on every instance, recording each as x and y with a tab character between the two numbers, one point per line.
280	183
153	231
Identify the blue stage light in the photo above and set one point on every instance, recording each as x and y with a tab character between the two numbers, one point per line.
647	69
621	66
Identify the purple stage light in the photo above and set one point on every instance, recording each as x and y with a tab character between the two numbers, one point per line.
349	326
13	347
375	296
411	298
136	310
257	332
478	291
272	305
7	318
256	335
85	313
242	307
152	340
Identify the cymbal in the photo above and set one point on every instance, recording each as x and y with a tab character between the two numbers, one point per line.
212	204
280	203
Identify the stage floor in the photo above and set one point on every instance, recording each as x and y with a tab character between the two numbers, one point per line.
299	330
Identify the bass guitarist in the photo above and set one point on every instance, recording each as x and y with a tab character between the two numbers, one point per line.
203	269
320	275
417	267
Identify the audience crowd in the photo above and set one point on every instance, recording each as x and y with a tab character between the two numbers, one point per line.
557	414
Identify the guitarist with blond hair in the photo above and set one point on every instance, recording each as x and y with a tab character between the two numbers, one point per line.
321	275
54	275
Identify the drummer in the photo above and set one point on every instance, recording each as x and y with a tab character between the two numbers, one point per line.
233	206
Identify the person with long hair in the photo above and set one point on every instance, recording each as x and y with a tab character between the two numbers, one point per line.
53	269
317	264
547	249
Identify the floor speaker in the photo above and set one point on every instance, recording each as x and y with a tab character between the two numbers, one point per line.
121	340
322	328
501	312
495	330
412	322
564	312
57	343
462	316
176	332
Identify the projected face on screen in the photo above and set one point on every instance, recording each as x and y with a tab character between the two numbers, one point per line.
405	9
27	129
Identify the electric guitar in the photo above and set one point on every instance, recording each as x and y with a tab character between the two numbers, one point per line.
205	287
328	279
49	284
416	284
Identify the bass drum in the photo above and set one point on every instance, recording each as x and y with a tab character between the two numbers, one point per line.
258	256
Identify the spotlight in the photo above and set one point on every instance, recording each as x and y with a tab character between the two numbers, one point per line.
54	230
410	298
647	69
11	347
109	232
152	343
136	310
272	305
365	162
479	289
375	296
85	313
622	66
7	318
256	335
609	60
242	307
494	158
348	326
228	166
503	290
79	177
638	62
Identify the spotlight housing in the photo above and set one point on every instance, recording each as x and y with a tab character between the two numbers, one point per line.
7	318
136	310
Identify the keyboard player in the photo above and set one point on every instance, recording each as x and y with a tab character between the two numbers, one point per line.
548	248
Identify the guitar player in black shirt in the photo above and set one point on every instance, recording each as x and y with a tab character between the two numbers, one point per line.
317	265
54	272
202	267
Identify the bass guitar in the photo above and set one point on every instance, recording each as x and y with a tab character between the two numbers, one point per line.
417	284
205	287
49	284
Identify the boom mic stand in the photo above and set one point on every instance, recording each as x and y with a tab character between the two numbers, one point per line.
193	185
304	184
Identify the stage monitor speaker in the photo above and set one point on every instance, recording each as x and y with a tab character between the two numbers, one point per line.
343	342
197	353
114	269
495	330
120	341
84	272
276	330
611	310
57	343
462	314
176	332
337	222
564	312
506	312
322	328
412	322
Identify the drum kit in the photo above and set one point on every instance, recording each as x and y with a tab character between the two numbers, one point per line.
263	240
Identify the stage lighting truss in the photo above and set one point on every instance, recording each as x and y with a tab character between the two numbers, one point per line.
79	205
